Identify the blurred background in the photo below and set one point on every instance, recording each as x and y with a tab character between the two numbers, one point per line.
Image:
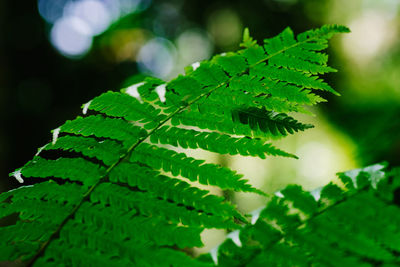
57	54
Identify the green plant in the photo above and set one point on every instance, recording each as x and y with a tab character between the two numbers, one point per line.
352	223
108	198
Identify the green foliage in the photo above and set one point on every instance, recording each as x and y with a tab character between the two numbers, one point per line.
352	223
115	193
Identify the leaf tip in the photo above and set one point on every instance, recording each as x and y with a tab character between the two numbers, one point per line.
18	175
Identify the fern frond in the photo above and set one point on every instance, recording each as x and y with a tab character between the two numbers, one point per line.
219	123
298	64
76	248
269	121
106	150
289	76
122	105
97	219
123	211
292	93
329	227
215	142
167	188
188	167
74	169
232	63
209	74
125	199
222	103
41	209
101	127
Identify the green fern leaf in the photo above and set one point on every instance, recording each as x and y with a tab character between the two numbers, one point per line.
41	209
106	203
269	121
75	169
107	151
146	179
195	170
124	199
328	227
125	106
232	63
215	142
101	127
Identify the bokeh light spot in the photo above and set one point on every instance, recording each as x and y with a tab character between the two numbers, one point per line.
51	10
316	160
194	45
371	34
225	27
93	12
157	57
71	36
76	22
131	6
